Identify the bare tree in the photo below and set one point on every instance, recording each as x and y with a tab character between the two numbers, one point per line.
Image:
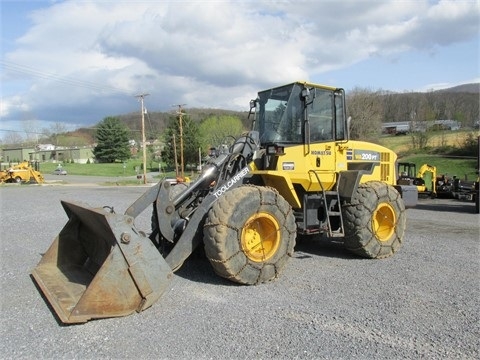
13	138
32	131
365	108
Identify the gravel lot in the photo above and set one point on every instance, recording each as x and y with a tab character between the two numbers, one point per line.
421	303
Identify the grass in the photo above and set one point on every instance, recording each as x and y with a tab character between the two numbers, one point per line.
108	170
402	144
461	167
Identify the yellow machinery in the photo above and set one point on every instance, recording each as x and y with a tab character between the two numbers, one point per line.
295	172
408	175
22	173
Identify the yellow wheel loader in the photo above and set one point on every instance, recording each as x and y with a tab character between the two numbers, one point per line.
22	173
295	172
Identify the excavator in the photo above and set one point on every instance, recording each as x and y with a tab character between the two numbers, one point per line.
408	175
296	172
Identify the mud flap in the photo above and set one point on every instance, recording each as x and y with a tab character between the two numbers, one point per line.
100	266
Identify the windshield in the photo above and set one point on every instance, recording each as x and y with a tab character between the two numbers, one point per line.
281	116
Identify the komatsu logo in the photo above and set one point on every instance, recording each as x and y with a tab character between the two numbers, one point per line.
231	182
321	152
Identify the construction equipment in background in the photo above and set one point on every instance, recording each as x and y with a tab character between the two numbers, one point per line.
295	172
455	188
408	175
477	182
444	186
23	173
463	189
476	196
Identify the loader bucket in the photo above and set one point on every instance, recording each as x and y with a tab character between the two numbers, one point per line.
99	266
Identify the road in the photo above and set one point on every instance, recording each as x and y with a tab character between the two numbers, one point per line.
94	180
424	302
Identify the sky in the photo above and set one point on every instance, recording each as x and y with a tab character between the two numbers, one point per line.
73	63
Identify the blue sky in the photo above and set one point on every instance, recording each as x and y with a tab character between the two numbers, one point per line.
75	62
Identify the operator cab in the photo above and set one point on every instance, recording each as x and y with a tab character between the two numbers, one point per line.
300	113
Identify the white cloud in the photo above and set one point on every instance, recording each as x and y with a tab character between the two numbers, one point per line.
81	61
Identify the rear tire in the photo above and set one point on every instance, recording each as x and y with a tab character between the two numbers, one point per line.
249	234
374	221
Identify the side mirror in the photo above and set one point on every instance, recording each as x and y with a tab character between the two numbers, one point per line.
253	106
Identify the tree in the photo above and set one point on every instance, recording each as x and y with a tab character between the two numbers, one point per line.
13	138
214	129
191	141
365	108
112	141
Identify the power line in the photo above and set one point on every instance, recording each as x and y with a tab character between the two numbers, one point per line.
26	132
48	133
23	69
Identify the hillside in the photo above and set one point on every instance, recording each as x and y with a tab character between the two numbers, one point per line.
437	140
465	88
156	122
456	103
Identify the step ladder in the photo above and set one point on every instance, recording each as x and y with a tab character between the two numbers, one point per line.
330	200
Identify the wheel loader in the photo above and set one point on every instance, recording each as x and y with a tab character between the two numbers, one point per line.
23	172
296	173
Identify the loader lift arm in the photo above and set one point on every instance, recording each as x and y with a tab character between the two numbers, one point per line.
177	216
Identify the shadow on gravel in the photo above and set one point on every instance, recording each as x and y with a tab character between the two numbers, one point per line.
319	246
197	268
454	206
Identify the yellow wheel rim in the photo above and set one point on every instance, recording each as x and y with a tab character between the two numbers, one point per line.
260	237
384	221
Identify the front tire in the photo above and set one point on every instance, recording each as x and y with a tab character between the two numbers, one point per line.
249	234
374	221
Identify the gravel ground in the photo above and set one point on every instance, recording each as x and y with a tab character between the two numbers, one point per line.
421	303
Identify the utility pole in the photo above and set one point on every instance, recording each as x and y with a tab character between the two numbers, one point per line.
175	156
180	114
144	140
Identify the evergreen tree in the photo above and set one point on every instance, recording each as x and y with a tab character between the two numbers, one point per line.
112	141
191	141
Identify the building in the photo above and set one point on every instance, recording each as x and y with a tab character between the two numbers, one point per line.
405	127
81	155
16	155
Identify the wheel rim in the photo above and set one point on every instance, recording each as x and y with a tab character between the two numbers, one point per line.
384	221
260	237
